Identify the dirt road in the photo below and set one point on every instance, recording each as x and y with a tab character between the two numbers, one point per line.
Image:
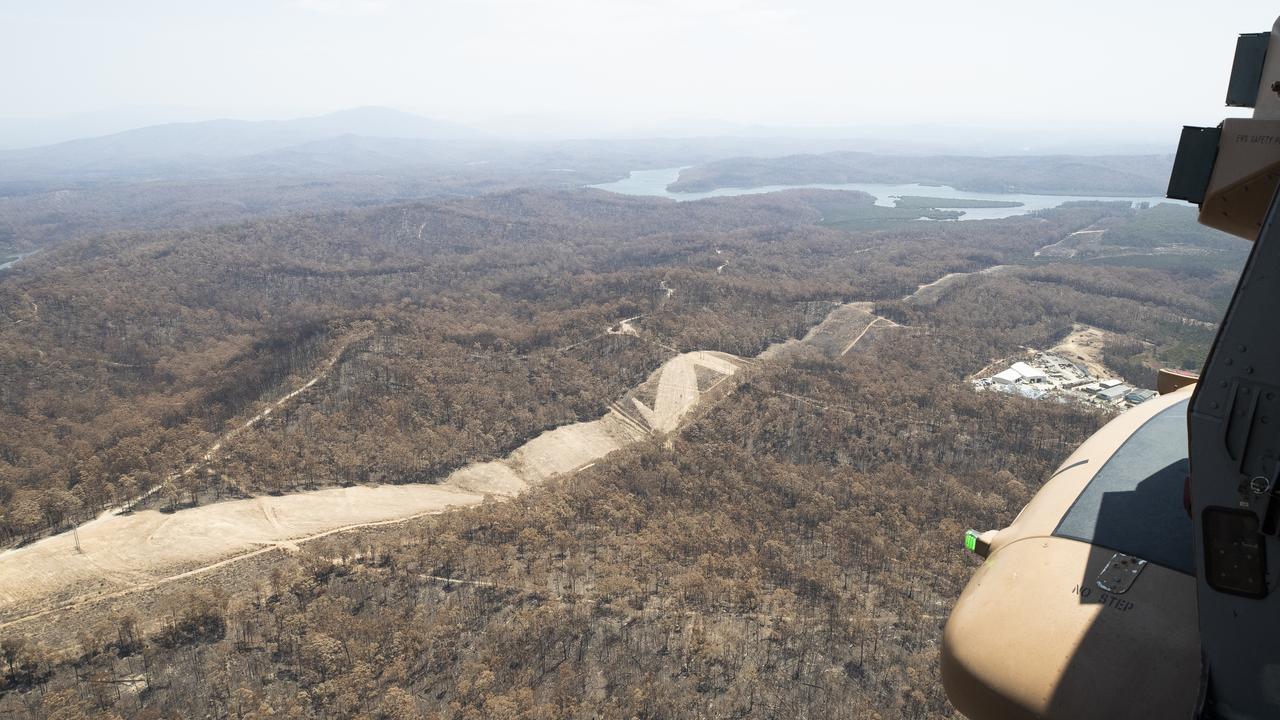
930	293
139	550
125	553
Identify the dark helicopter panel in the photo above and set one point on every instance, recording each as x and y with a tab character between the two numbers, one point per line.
1134	503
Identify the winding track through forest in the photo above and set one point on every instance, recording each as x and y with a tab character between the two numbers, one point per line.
873	323
229	435
131	553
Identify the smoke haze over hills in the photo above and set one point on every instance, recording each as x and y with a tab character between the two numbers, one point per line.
955	77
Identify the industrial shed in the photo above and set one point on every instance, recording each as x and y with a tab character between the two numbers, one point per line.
1007	377
1028	373
1114	393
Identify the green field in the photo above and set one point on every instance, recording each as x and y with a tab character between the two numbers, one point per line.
860	212
921	201
880	212
1168	224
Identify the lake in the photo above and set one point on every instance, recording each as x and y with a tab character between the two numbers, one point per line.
655	182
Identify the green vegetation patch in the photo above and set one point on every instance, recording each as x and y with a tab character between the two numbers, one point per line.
1117	175
921	201
1168	224
858	211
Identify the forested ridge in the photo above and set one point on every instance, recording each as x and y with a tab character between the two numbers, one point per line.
779	557
792	552
493	309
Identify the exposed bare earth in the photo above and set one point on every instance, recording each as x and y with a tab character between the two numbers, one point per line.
1068	246
1084	346
836	335
829	336
125	552
848	323
141	548
930	293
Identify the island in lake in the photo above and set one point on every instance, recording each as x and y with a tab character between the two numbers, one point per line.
920	201
1116	175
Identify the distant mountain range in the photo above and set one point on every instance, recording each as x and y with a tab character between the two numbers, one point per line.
213	145
379	139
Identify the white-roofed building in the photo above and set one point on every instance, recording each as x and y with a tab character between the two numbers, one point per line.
1007	377
1027	372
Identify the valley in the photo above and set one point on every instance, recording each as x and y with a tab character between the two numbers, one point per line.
528	404
379	360
125	550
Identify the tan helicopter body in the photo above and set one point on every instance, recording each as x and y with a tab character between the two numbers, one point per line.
1104	598
1036	635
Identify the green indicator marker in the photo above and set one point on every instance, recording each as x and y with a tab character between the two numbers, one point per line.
971	540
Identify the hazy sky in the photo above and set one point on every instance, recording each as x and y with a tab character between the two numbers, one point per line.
1128	70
